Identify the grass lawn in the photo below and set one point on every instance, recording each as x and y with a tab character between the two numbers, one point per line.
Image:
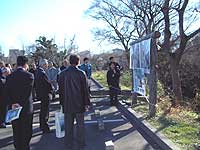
178	124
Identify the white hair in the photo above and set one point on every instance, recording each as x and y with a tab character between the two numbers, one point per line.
43	62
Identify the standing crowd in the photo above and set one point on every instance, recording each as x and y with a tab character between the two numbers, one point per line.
21	85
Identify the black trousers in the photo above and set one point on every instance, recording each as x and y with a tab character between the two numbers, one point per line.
44	113
22	132
113	95
69	128
34	94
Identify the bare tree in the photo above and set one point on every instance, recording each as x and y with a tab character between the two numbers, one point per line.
174	22
69	47
72	46
179	38
127	19
117	29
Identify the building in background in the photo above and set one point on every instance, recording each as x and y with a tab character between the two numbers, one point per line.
13	54
121	57
101	61
84	54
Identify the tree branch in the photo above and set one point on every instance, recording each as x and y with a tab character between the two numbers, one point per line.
193	34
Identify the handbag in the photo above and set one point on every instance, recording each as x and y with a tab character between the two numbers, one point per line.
60	124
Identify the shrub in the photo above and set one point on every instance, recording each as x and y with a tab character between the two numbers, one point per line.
126	80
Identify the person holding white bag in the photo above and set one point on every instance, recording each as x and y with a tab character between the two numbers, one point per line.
74	97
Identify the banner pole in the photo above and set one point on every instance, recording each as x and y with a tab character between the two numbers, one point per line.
133	94
153	76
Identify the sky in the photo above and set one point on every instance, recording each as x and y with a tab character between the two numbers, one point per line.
23	21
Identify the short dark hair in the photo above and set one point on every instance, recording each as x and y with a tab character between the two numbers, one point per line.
111	58
22	60
85	59
74	59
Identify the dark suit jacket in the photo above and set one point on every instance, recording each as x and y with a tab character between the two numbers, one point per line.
18	89
113	78
3	102
73	90
42	85
62	68
2	89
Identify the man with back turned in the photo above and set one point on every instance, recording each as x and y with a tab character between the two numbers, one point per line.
18	89
43	90
74	96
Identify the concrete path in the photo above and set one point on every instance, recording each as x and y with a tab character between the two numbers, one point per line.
117	128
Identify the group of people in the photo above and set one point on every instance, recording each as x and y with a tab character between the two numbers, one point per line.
20	86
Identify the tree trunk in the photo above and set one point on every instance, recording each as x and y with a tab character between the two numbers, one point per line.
127	52
176	82
152	79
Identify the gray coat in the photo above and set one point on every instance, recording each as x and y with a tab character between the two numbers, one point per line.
73	90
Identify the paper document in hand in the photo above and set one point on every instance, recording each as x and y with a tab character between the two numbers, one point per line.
13	114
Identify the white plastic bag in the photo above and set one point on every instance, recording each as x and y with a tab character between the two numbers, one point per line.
60	124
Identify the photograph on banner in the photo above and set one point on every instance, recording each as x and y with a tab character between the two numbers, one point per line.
145	47
139	81
135	56
131	57
140	55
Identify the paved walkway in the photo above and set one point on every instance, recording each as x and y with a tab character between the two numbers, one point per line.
117	128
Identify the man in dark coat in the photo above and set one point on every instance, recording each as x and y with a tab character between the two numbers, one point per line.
113	76
74	96
3	103
43	89
18	89
2	106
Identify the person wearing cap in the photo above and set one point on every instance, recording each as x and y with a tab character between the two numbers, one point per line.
43	89
18	89
3	104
